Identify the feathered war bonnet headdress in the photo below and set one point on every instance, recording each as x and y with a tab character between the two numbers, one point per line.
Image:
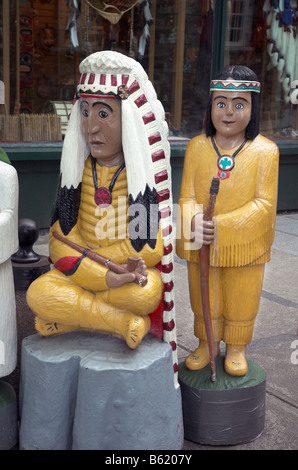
147	160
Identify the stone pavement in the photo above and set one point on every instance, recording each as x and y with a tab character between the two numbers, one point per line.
275	340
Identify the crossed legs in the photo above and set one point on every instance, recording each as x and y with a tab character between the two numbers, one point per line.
61	305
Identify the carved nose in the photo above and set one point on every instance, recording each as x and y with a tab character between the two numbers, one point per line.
229	109
93	123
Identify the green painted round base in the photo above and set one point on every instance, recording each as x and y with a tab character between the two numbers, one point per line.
229	411
202	378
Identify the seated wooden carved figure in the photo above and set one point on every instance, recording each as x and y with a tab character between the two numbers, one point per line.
113	200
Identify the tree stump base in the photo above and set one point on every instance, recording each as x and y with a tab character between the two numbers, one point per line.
229	411
86	390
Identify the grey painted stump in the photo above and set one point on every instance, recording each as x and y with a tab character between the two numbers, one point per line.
86	390
229	411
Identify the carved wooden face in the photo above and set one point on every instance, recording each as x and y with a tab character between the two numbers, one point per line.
101	125
230	113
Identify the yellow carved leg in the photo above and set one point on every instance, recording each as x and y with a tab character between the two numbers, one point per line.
60	305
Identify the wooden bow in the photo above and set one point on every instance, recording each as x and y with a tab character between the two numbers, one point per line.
204	278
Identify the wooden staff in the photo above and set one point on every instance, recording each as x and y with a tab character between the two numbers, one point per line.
112	265
204	278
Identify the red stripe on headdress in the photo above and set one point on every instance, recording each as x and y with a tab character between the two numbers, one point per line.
83	78
167	230
168	249
167	268
159	155
102	80
169	326
163	195
165	212
168	286
168	305
91	78
140	101
114	80
154	138
161	176
134	87
125	78
96	95
149	117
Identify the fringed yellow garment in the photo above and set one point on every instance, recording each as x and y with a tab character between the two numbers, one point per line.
245	205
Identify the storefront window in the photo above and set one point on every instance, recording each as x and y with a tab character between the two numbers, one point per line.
43	41
262	34
182	62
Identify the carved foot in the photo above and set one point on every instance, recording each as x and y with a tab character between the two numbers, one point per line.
137	328
235	362
200	357
48	328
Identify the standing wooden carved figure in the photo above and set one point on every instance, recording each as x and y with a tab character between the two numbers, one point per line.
241	233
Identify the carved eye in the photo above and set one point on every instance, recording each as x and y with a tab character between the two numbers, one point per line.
239	106
221	104
103	114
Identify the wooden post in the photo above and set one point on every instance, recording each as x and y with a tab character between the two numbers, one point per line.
180	10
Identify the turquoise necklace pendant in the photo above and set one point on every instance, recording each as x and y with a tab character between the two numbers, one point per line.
225	163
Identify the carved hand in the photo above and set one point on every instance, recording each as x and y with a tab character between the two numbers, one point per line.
118	280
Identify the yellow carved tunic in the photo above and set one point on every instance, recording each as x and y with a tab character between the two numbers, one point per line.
83	299
102	230
244	232
245	205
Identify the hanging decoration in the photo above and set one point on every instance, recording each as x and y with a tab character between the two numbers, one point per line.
148	20
112	10
73	21
281	17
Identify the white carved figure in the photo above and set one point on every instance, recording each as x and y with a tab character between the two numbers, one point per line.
9	190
